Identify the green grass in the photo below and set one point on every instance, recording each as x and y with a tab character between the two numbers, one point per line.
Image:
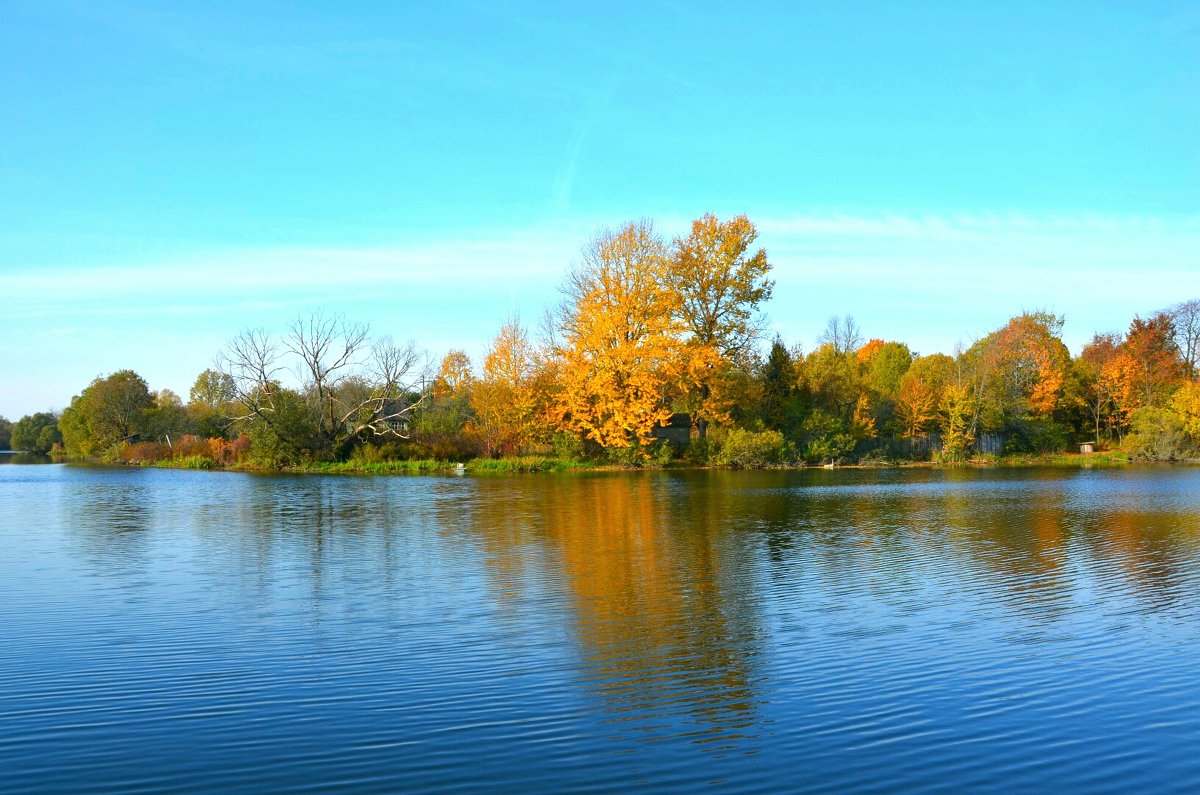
528	463
429	466
1103	459
418	467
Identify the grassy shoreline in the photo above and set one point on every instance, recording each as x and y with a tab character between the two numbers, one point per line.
539	464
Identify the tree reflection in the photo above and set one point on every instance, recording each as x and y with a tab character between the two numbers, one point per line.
666	635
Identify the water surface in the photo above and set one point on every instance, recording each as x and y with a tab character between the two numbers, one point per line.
920	630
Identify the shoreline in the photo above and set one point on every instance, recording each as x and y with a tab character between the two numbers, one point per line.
540	465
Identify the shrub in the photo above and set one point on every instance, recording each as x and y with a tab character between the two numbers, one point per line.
1158	435
751	449
567	446
142	453
1040	436
195	462
191	445
703	451
827	438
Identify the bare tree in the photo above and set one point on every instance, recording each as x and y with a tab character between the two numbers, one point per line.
1186	316
349	386
842	333
251	361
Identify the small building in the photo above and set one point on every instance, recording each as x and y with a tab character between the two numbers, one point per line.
1087	448
677	431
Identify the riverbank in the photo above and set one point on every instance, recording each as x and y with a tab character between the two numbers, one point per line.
539	464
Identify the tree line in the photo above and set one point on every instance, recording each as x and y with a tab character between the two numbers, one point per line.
651	333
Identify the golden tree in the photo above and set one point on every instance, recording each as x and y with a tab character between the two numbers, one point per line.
719	285
454	376
1186	404
957	434
920	393
620	351
508	398
916	406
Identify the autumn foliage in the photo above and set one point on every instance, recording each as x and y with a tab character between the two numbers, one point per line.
654	331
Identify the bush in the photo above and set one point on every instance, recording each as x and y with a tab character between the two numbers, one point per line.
195	462
703	451
1041	436
751	449
655	453
568	447
142	453
1158	435
191	445
826	438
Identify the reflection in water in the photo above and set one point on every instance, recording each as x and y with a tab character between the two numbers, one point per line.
837	631
8	457
651	610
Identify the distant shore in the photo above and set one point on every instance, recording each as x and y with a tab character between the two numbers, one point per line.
539	464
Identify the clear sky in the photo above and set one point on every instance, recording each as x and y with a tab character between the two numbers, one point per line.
173	173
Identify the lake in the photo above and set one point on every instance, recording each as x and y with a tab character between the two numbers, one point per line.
1028	630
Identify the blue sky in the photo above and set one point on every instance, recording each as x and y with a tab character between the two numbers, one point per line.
171	175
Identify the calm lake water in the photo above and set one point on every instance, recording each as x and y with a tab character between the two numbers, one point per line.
1003	631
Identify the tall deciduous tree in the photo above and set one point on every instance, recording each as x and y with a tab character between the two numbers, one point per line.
508	398
620	349
167	420
919	397
1186	318
454	375
1015	374
720	286
349	386
212	390
36	433
842	333
210	403
108	411
1143	371
1094	375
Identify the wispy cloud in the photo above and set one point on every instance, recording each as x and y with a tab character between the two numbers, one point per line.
930	280
593	111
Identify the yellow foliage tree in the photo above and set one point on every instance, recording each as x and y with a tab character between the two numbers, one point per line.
957	410
507	398
620	353
454	376
1186	403
719	286
916	406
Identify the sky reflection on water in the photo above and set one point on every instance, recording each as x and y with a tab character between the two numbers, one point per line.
817	631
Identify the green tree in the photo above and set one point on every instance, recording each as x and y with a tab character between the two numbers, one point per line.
841	414
882	366
5	434
781	399
167	420
36	433
211	404
213	390
108	411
